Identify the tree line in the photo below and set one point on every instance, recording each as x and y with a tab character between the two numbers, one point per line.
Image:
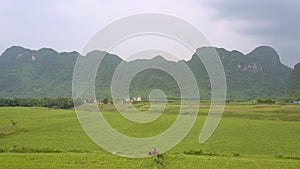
57	103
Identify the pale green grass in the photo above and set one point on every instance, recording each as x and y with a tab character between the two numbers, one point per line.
91	161
240	141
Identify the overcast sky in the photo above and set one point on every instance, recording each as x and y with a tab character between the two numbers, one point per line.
67	25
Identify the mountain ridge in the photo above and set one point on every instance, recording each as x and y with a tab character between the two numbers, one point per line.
48	73
48	50
294	82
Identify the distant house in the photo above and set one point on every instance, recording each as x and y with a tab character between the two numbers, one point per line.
136	99
296	101
126	100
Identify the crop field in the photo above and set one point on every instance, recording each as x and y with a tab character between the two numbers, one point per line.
248	136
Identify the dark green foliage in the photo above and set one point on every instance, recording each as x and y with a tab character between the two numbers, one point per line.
46	73
78	102
193	152
105	101
36	74
58	103
146	81
294	83
265	101
17	149
200	152
257	74
287	157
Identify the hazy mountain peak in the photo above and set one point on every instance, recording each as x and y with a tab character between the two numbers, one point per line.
108	58
47	51
222	53
13	50
158	57
26	73
297	66
237	52
96	52
265	54
16	48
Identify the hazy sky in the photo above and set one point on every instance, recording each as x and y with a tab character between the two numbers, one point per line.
67	25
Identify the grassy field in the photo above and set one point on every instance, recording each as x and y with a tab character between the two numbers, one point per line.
249	136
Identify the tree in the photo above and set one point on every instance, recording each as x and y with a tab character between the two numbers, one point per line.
105	101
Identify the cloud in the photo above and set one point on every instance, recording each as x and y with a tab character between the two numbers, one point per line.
68	25
275	18
232	24
275	22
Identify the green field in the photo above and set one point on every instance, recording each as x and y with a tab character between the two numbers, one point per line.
249	136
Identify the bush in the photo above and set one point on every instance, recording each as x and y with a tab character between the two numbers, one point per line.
193	152
265	101
105	101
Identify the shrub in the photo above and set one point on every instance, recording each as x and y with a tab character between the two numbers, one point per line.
105	101
265	101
